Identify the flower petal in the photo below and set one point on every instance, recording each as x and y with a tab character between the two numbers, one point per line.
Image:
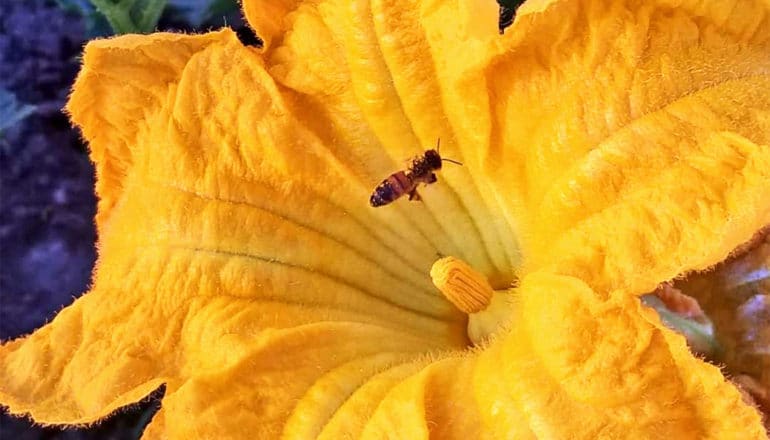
272	301
716	198
122	81
604	87
619	370
643	120
252	397
369	70
577	367
221	253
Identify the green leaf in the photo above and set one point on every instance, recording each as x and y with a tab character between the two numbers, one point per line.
131	16
700	335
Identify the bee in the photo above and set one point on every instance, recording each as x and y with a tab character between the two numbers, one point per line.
405	182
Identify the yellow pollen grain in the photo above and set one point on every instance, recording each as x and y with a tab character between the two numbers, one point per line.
464	287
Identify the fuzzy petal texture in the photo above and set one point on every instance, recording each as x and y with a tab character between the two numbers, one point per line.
606	147
577	367
655	129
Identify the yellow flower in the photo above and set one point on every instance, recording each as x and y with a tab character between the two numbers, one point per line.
607	147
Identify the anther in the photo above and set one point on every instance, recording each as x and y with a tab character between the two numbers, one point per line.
467	289
488	310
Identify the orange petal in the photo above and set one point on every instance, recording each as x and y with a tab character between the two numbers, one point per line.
221	252
630	141
574	367
123	82
369	73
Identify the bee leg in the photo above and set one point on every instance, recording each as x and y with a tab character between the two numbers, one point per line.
432	178
414	196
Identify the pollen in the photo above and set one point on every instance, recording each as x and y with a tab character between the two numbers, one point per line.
464	287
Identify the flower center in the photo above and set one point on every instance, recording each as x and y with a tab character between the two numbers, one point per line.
488	309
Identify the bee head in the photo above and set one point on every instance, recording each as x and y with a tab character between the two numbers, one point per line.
433	159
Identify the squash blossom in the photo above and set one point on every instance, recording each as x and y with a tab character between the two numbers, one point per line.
607	147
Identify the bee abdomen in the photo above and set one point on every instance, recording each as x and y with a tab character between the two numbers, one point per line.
382	195
395	186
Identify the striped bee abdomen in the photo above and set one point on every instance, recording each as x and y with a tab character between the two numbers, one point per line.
395	186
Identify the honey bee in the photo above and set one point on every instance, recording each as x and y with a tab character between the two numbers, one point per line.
405	182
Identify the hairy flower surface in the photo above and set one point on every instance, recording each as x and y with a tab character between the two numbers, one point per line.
607	147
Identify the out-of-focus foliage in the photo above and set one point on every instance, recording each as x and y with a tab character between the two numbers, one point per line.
700	335
131	16
11	110
198	12
507	12
106	17
512	4
95	23
736	296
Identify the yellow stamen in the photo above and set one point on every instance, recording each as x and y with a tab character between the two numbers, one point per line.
488	310
467	289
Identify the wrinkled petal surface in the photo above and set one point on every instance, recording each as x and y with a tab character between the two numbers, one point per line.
606	147
655	130
578	367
